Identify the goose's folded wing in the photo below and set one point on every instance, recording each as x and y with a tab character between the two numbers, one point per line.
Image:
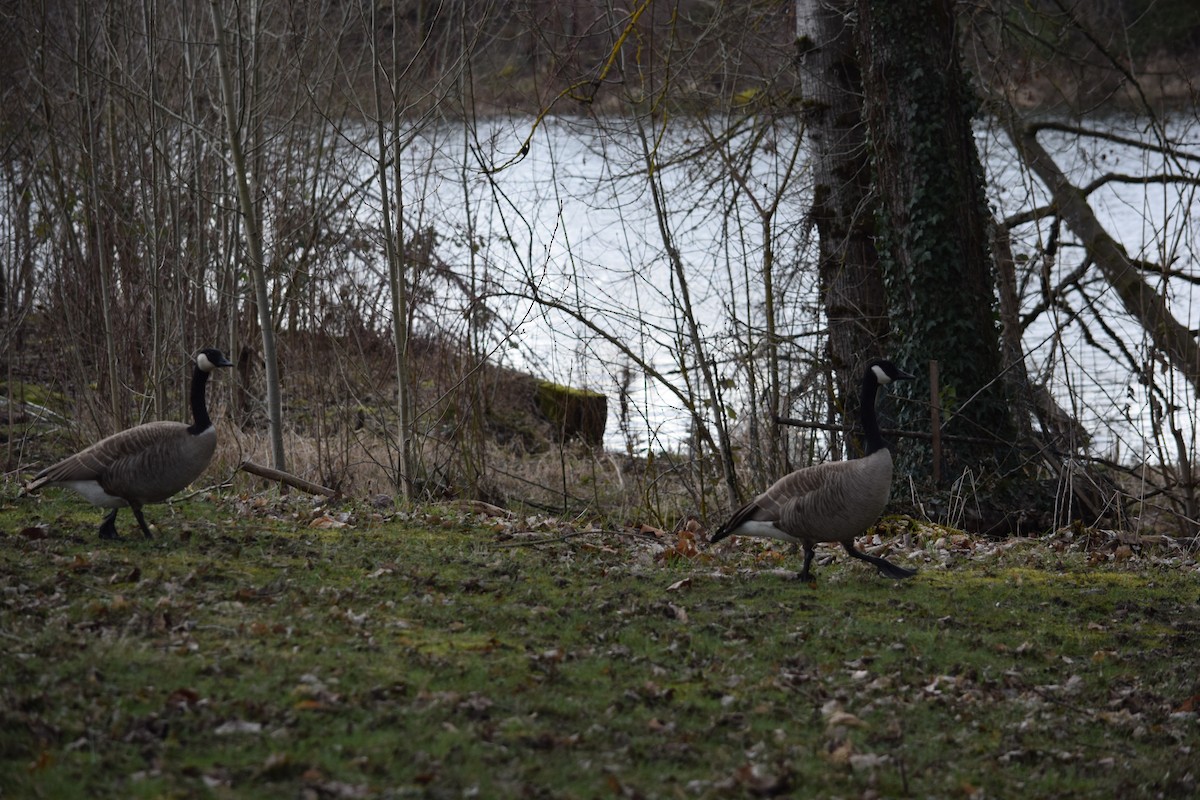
787	493
93	462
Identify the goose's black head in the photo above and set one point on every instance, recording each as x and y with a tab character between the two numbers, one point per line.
209	359
885	372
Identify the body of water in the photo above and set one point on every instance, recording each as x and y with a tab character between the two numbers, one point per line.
575	224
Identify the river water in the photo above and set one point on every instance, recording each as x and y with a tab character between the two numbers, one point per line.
573	221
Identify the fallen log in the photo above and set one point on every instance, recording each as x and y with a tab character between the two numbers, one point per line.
286	477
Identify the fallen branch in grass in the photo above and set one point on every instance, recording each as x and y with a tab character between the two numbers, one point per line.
288	478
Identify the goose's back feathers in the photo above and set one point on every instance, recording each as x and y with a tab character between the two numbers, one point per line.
145	464
830	502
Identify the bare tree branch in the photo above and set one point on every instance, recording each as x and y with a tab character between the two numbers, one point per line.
1138	297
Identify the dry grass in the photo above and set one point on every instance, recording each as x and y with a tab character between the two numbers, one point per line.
482	437
569	479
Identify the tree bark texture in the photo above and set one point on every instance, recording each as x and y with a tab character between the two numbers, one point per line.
844	208
933	227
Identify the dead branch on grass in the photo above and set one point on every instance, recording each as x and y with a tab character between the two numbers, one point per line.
288	478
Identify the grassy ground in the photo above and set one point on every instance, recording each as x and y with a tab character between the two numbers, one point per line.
265	648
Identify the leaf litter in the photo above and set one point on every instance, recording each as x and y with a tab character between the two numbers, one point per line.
284	646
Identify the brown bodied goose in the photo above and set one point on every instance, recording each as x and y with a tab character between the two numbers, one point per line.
830	502
145	464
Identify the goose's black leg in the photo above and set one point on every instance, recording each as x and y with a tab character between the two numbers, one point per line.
137	512
805	575
108	528
886	567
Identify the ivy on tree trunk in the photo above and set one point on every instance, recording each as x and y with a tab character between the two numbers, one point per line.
933	229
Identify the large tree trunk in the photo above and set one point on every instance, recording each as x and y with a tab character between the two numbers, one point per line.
933	230
843	208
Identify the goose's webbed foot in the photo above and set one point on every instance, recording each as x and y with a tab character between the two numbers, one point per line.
883	565
108	528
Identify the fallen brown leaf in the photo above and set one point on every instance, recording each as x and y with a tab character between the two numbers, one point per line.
839	753
183	698
843	719
1190	705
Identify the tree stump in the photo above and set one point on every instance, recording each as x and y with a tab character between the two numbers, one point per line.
573	412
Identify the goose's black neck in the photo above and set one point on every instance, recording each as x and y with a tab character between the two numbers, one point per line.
870	388
201	421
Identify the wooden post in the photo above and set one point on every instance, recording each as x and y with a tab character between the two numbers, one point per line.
935	421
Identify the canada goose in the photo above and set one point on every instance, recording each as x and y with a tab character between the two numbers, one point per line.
830	502
145	464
